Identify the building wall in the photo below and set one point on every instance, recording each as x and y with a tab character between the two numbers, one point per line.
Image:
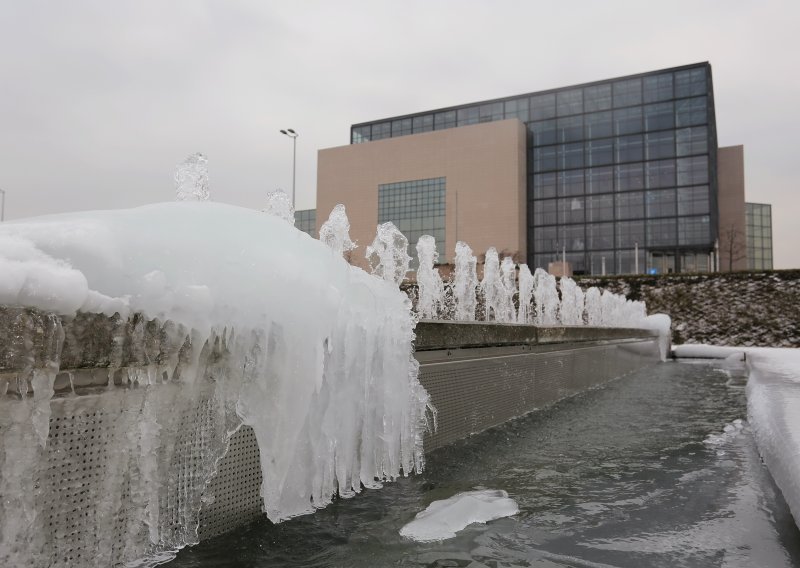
485	170
732	231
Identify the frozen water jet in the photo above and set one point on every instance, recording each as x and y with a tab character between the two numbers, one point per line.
429	282
388	254
465	281
191	179
280	205
335	232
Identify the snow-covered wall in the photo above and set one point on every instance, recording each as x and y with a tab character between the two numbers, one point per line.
739	308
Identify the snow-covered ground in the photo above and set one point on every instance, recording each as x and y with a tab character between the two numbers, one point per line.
773	408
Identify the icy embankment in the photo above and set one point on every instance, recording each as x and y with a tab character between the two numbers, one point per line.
321	363
773	408
443	519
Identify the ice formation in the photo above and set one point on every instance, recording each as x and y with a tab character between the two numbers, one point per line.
465	281
311	352
335	232
525	314
280	205
191	179
429	282
571	308
388	254
546	296
443	519
508	281
594	309
492	286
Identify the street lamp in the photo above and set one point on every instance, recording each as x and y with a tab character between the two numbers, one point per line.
2	205
293	135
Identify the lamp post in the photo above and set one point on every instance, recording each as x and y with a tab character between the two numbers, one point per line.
293	135
2	205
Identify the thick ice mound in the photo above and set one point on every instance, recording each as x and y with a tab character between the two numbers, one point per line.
322	369
443	519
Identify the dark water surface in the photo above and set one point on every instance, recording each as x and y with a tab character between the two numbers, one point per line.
615	477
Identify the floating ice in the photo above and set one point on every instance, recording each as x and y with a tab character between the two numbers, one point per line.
465	282
388	254
335	232
443	519
191	179
429	282
280	205
317	355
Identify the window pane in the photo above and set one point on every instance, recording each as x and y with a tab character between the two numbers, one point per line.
693	171
570	129
690	112
381	130
573	237
660	173
658	88
626	264
630	205
466	116
544	132
490	111
360	134
570	210
628	120
569	102
690	83
600	180
660	203
597	97
423	123
630	148
600	207
518	108
570	183
628	92
401	127
544	212
599	152
660	145
571	155
694	230
629	233
693	200
601	236
659	116
544	158
599	125
442	120
629	177
416	207
544	239
661	233
544	185
543	106
692	140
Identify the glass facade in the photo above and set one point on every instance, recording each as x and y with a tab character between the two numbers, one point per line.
758	219
417	208
613	166
306	221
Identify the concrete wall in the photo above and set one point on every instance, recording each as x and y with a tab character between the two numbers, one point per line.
485	167
732	229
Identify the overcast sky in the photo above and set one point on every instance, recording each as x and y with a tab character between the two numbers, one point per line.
100	100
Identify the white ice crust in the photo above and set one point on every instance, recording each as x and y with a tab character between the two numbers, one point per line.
443	519
326	378
661	323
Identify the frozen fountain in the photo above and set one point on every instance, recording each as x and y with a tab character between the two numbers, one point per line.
429	282
191	179
280	205
492	286
525	315
465	282
335	232
546	296
388	254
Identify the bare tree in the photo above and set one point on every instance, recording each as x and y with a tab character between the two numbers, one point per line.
733	245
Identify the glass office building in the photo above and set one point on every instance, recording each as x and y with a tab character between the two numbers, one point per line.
758	219
614	168
306	221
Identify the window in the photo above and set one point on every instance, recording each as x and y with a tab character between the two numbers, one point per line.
570	129
691	112
660	145
660	203
569	102
571	155
690	83
657	88
573	237
628	92
630	205
381	130
597	98
693	200
628	121
570	183
306	221
543	106
545	239
570	210
626	263
601	235
401	127
544	212
467	116
599	125
659	116
694	230
490	112
599	152
660	173
600	260
544	158
600	207
422	123
661	233
629	177
415	207
600	180
518	108
630	148
360	134
544	185
630	233
446	119
692	140
693	171
544	132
